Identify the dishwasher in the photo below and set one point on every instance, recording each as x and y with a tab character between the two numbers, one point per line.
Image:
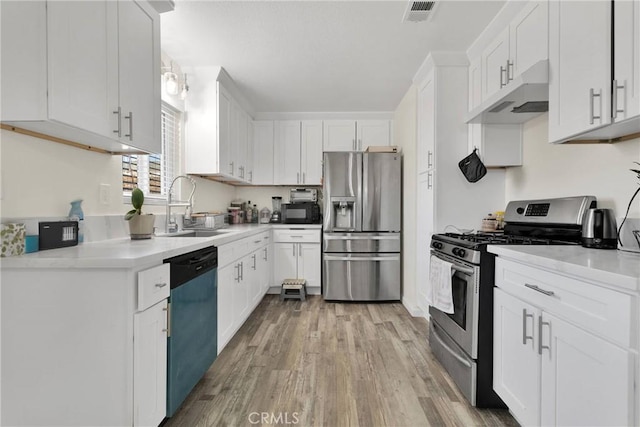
192	344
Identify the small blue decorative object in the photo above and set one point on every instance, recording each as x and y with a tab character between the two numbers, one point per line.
76	214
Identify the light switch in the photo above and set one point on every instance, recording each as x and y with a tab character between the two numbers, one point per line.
105	194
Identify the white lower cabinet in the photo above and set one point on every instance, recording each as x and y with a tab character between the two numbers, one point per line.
550	365
150	365
242	272
297	255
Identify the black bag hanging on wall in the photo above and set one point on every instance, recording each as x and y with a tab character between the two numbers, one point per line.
472	167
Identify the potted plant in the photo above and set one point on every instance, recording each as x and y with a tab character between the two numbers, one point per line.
635	193
140	225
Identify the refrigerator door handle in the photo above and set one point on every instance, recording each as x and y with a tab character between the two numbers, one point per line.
361	258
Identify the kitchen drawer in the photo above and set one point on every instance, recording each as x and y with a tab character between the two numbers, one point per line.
230	252
296	235
259	240
602	311
153	286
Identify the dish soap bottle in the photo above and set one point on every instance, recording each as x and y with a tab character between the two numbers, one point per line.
248	213
255	214
76	214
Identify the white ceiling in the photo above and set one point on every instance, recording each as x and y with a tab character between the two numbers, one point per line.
318	56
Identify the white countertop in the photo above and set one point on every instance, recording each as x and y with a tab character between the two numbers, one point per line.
126	253
613	267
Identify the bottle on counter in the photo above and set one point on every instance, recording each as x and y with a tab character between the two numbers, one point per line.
248	216
76	214
255	214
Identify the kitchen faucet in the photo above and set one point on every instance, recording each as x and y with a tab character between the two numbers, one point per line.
171	225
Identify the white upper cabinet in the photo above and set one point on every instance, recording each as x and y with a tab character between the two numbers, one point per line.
372	133
339	135
217	128
139	64
88	72
355	135
311	153
475	82
298	152
626	57
494	64
287	152
579	67
528	38
262	145
426	124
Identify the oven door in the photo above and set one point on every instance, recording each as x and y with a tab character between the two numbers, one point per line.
462	325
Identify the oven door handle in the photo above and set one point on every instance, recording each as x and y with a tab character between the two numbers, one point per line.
466	270
450	350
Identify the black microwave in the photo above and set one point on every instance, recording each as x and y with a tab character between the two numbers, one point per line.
301	213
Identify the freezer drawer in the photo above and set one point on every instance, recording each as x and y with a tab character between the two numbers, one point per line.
361	242
361	277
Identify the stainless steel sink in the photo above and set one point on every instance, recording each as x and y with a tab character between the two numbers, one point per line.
197	233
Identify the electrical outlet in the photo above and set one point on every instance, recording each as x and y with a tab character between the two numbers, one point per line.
105	194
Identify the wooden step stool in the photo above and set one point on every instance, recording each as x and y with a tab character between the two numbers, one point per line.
293	288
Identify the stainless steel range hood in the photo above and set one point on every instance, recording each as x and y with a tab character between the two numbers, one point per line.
524	98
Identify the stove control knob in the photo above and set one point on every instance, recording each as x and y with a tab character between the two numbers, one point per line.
461	253
456	251
520	211
437	245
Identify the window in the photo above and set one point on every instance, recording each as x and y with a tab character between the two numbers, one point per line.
153	173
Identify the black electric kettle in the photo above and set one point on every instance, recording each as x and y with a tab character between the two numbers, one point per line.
599	229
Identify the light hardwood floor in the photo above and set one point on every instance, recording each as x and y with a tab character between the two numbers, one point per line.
330	364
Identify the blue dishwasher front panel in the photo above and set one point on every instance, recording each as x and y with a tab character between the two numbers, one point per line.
193	342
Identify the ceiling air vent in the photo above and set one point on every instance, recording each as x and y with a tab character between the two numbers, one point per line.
419	11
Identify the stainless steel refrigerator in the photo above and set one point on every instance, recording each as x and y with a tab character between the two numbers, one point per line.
362	226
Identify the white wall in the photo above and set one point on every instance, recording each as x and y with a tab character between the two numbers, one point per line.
40	178
551	170
405	136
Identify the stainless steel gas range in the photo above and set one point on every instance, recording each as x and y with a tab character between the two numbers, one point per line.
463	341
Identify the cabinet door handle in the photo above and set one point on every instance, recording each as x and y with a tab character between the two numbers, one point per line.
294	249
542	291
526	337
119	130
429	180
509	71
304	177
242	270
168	310
541	347
503	72
429	158
592	96
265	254
130	118
231	165
614	101
237	267
254	261
161	285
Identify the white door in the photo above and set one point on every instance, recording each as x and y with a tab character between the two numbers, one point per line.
227	279
426	124
150	365
494	64
516	363
579	67
287	152
311	152
475	82
82	41
226	163
309	263
626	59
423	241
241	291
339	135
244	161
528	38
585	380
285	256
372	133
139	72
262	152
